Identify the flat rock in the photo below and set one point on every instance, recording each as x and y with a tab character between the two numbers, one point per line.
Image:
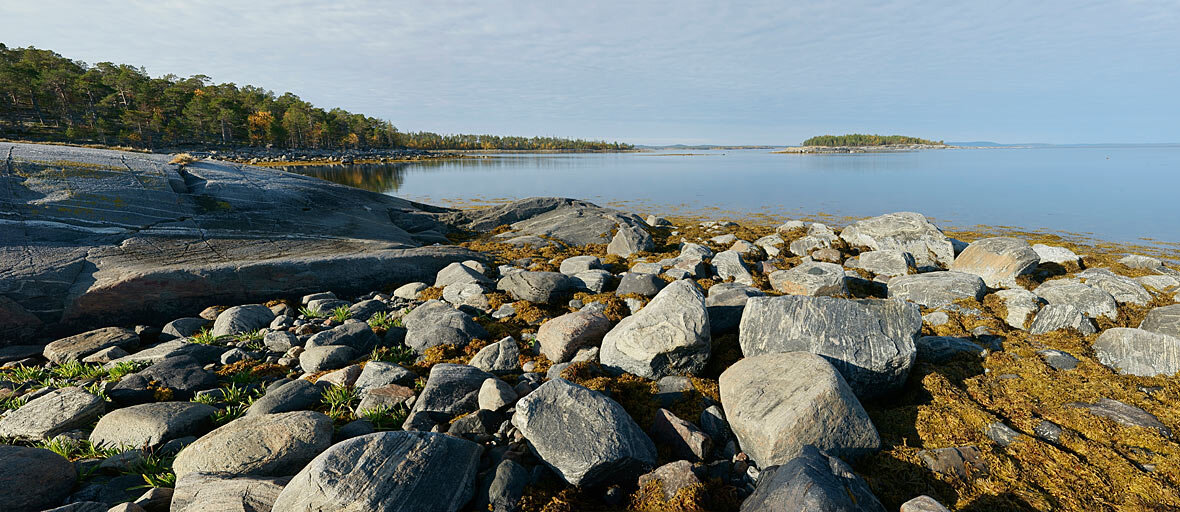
810	278
1061	316
151	425
33	479
1091	301
203	354
384	397
778	403
961	462
451	390
1163	320
871	342
568	220
585	437
387	471
594	281
561	337
79	346
903	231
669	336
813	480
937	289
885	262
573	265
200	492
1058	255
999	260
1138	352
51	414
266	445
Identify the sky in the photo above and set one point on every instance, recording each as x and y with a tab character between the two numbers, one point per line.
688	71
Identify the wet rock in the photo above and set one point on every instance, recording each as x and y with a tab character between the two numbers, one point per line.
1061	316
403	471
561	337
670	336
267	445
777	404
538	287
451	390
1020	306
904	231
683	439
51	414
728	265
1138	352
1124	414
997	260
937	289
151	425
1163	320
198	492
436	323
78	346
1048	431
500	357
814	480
1002	434
630	240
810	278
33	479
871	342
240	319
584	437
1091	301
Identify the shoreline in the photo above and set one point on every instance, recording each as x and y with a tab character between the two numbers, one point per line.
888	148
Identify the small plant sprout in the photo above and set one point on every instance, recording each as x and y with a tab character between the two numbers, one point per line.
309	313
341	314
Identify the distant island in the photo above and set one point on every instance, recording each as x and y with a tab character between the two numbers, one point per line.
862	143
46	97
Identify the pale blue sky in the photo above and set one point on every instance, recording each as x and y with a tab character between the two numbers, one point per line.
667	72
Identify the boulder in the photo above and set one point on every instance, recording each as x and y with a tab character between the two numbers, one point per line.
331	357
670	336
79	346
682	439
594	281
642	284
725	304
436	323
385	397
240	319
1061	316
266	445
997	260
410	291
940	349
1163	320
354	334
199	492
1091	301
777	404
33	479
923	504
814	480
1124	414
1124	289
502	487
561	337
885	262
203	354
630	240
539	287
573	265
495	395
903	231
296	395
571	221
458	273
466	294
1058	255
729	265
937	289
387	471
870	341
585	437
151	425
51	414
451	390
1020	306
1138	352
672	478
501	357
365	309
810	278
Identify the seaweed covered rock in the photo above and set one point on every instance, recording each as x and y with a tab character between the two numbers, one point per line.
871	342
903	231
669	336
387	471
813	480
585	437
777	404
997	260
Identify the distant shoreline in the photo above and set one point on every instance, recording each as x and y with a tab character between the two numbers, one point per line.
887	148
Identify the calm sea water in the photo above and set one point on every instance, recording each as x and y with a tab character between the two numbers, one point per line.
1117	193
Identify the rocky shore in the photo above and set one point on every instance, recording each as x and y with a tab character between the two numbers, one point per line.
860	149
285	157
214	336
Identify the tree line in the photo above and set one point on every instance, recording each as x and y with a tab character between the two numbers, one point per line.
47	97
857	139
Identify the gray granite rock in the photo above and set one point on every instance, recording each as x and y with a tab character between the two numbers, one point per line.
999	260
199	492
280	341
871	342
1058	255
267	445
240	319
680	437
436	323
1061	316
885	262
904	231
810	278
1163	320
937	289
778	403
672	478
385	397
1091	301
458	273
568	220
538	287
594	281
1124	289
410	291
495	395
387	471
151	425
33	479
331	357
295	395
729	265
814	480
356	335
1020	306
501	489
923	504
725	304
51	414
1058	360
586	438
1138	352
451	390
573	265
940	349
79	346
204	354
670	336
1124	414
501	357
630	240
645	285
365	309
561	337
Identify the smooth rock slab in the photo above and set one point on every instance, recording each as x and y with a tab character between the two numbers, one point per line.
387	472
79	346
997	260
585	437
777	404
871	342
47	416
1091	301
561	337
200	492
1061	316
268	445
150	425
33	479
810	278
669	336
1138	352
937	289
812	481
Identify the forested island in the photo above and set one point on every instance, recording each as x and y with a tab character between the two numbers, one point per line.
47	97
859	139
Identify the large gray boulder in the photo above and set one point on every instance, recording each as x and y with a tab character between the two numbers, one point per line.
296	395
729	265
585	437
1164	320
51	414
151	425
810	278
437	323
387	472
561	337
1061	316
1020	306
185	237
630	240
33	479
539	287
669	336
812	481
568	220
997	260
501	357
1124	289
871	341
451	390
1090	300
355	334
725	304
937	289
1138	352
267	445
200	492
884	262
903	231
79	346
458	273
239	319
776	404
